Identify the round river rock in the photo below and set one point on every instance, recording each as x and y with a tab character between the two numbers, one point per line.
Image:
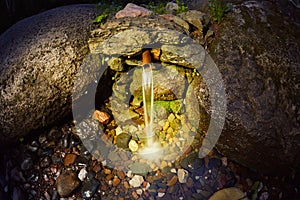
39	57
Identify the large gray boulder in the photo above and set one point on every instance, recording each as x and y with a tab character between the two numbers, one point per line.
39	58
258	54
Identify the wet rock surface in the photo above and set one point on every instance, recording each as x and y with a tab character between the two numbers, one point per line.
132	10
90	178
39	58
56	164
257	52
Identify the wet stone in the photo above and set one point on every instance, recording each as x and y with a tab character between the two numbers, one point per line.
136	181
89	188
139	168
33	177
172	181
66	183
101	116
27	164
82	174
116	181
69	159
182	175
45	162
121	174
123	140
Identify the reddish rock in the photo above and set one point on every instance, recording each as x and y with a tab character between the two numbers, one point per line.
121	174
172	181
116	181
135	195
97	168
66	183
126	185
101	116
69	159
109	177
132	10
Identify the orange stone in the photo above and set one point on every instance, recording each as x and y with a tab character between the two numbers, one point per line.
69	159
155	53
121	174
101	116
116	181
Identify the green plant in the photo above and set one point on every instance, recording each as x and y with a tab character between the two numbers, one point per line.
159	8
107	9
102	17
218	8
181	7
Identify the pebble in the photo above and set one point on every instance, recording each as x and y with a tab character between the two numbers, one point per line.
224	161
118	130
122	140
66	183
69	159
109	177
171	117
97	168
106	171
136	181
129	174
190	182
134	195
163	164
89	188
172	181
101	116
116	181
139	191
121	174
133	145
126	185
182	175
27	164
132	10
45	162
228	193
161	194
82	174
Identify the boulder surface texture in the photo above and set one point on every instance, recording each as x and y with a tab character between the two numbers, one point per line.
258	55
39	58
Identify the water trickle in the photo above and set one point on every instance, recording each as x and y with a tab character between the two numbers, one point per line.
152	148
147	86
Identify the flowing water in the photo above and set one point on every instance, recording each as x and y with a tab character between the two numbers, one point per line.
147	86
152	150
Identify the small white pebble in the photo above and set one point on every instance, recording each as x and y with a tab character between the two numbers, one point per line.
82	174
161	194
129	174
173	170
139	191
104	162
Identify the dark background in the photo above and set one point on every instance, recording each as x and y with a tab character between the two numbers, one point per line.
12	11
